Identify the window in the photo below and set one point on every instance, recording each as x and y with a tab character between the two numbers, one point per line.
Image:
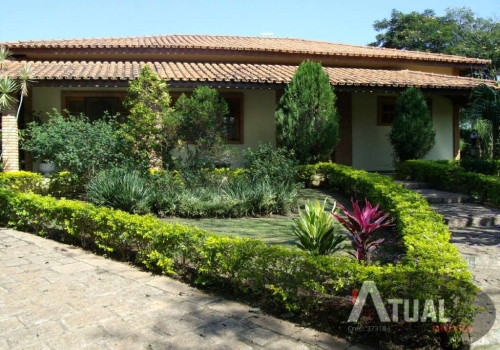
233	123
386	110
94	104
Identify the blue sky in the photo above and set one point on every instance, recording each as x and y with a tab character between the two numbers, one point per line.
338	21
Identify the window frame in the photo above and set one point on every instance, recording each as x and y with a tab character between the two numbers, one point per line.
67	95
381	100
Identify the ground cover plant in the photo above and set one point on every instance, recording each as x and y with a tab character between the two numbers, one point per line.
289	279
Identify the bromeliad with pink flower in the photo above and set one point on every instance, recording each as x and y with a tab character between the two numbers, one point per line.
361	224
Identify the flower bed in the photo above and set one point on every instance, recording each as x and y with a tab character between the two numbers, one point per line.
284	277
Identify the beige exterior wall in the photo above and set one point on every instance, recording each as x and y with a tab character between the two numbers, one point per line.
258	112
371	148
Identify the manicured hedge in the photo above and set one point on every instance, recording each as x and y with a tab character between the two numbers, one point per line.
448	177
284	277
23	181
481	166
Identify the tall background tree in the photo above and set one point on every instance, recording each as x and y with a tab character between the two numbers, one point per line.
151	126
459	32
412	135
307	120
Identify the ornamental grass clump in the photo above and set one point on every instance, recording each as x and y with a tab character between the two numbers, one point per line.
121	189
317	231
361	224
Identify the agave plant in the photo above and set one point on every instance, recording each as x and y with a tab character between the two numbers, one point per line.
317	231
361	224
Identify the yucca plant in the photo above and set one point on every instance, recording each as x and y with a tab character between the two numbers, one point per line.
361	224
121	189
317	231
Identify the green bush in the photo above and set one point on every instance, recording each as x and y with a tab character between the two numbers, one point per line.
151	130
412	135
23	181
203	128
451	178
222	196
65	184
121	189
286	278
307	120
481	166
318	232
276	164
75	144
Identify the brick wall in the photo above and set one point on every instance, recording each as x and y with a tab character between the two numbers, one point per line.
10	141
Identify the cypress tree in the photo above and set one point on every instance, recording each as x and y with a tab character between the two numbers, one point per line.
306	117
412	135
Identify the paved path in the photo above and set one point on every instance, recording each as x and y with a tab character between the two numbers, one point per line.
476	233
480	247
54	296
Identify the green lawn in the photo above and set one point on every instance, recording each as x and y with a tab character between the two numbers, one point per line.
275	229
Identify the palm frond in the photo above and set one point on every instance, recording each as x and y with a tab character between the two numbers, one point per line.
5	54
8	88
24	79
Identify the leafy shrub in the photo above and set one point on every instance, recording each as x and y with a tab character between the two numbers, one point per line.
481	166
412	135
23	181
65	184
202	126
276	164
150	132
121	189
317	231
360	225
75	144
306	118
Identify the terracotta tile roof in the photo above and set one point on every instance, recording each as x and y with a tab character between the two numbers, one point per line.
237	73
240	43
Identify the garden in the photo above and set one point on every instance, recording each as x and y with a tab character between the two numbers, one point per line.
280	230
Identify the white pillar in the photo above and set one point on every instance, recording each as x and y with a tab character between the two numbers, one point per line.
10	140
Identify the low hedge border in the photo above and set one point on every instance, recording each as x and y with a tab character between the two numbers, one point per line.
452	178
285	277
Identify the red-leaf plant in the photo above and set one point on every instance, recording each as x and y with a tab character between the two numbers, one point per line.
361	224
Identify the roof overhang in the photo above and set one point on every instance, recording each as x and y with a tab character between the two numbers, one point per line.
234	75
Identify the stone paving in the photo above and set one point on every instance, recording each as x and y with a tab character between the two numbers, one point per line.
476	233
55	296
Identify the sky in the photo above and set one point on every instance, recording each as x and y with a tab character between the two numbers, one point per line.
348	22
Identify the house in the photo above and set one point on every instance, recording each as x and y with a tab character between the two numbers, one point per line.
91	76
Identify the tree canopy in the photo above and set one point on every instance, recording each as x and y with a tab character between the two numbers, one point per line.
412	135
307	120
459	32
